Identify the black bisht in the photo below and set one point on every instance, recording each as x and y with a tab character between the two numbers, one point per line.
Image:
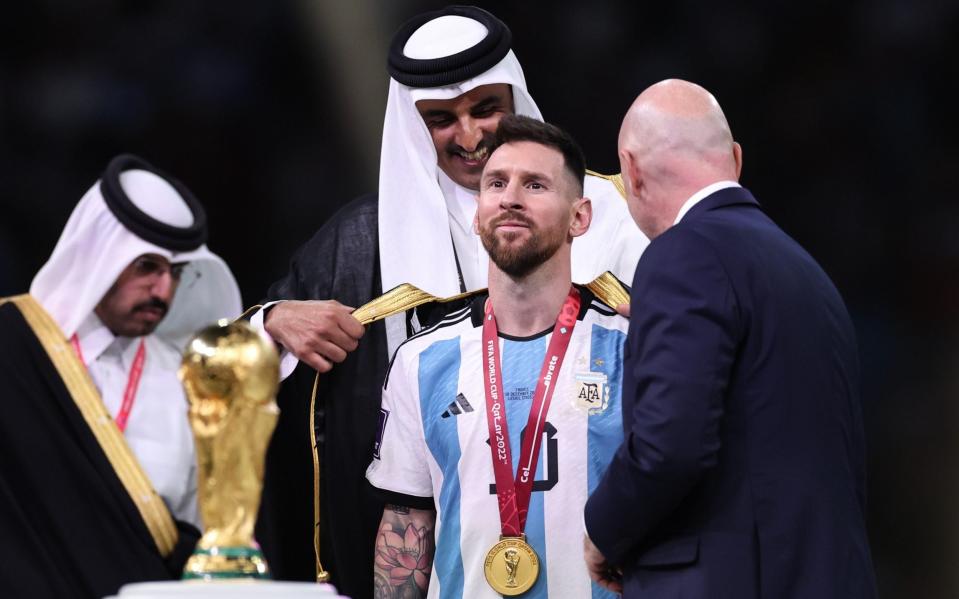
68	527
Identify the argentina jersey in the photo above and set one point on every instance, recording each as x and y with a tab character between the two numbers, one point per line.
433	445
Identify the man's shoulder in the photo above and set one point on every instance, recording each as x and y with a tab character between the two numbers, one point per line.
346	240
20	344
359	215
596	311
726	212
455	319
10	318
728	228
15	313
682	247
363	208
356	218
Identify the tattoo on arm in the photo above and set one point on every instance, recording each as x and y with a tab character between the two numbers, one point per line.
404	553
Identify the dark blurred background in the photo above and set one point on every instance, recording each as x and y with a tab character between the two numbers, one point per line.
271	113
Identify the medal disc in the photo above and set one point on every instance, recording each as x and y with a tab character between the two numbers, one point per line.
511	566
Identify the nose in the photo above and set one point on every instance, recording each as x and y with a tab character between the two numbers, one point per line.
469	134
164	286
511	198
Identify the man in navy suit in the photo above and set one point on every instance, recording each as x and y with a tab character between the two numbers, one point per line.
743	470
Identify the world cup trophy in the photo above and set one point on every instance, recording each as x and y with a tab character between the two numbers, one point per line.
231	375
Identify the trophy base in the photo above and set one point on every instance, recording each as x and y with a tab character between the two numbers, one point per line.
226	563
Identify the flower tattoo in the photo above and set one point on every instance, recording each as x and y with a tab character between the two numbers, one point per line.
406	557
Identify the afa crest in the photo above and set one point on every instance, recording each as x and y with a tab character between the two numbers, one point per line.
591	392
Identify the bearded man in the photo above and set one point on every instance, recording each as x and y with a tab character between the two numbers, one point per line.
453	78
480	505
97	466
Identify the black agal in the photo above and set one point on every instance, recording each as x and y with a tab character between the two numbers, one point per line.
141	224
446	70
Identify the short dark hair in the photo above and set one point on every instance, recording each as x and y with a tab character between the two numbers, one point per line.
514	128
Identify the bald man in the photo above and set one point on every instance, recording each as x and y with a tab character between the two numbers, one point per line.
742	473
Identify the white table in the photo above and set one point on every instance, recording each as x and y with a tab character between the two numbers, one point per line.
245	589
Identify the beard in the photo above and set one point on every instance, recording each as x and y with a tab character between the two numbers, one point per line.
517	261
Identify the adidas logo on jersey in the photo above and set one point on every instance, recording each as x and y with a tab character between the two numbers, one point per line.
457	407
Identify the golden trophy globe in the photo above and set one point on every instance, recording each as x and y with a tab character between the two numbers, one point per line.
230	374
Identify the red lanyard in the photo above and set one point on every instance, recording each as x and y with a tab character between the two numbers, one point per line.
514	493
133	381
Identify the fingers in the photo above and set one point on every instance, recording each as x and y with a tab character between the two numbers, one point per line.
317	362
611	584
595	574
340	326
604	577
332	351
599	569
320	333
595	563
623	310
335	336
329	346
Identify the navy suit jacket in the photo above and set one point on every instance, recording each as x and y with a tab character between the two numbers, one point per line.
742	473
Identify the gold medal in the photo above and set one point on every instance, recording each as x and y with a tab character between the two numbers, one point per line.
511	566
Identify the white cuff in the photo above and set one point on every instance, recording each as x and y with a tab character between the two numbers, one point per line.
288	361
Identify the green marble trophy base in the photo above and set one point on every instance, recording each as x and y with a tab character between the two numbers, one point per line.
226	563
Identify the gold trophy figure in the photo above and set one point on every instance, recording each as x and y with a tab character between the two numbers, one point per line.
512	563
230	375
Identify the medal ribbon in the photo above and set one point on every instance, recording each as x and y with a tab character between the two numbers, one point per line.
133	381
512	493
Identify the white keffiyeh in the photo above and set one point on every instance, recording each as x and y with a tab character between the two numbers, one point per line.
414	216
95	247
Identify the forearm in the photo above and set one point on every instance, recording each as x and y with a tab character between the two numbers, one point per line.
404	553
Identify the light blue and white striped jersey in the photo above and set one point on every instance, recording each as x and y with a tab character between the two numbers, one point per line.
433	443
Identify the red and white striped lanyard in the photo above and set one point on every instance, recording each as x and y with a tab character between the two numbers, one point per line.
133	381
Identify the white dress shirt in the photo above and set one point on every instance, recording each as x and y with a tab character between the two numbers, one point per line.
157	431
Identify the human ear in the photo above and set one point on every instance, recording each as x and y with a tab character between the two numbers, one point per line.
738	158
629	169
582	216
